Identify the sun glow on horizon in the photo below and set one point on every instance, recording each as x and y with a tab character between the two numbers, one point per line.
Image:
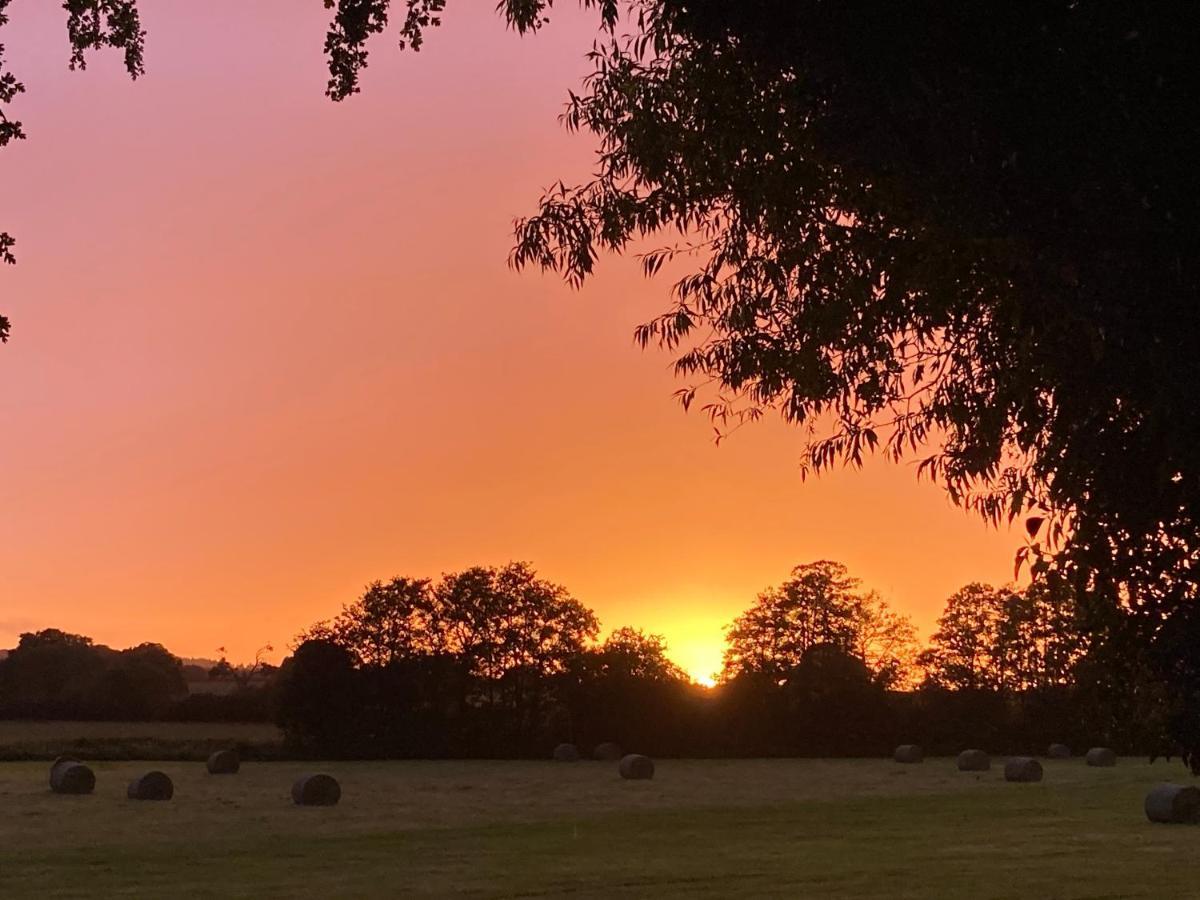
697	647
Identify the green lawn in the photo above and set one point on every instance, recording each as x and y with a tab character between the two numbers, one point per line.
797	828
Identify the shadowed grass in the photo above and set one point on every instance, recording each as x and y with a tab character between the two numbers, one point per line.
26	740
700	829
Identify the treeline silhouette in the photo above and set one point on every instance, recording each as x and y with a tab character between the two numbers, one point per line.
53	674
498	662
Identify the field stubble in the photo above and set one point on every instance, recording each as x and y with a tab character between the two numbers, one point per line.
813	828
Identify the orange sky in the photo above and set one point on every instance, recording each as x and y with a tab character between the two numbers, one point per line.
266	349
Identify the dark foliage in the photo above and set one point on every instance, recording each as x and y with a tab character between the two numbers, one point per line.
91	25
320	700
52	674
382	681
820	605
1007	670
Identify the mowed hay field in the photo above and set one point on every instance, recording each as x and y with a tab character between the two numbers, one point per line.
701	828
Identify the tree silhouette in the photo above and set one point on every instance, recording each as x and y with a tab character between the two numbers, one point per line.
962	649
320	698
630	653
91	25
244	675
627	690
495	620
52	672
885	641
834	704
55	673
390	622
819	605
140	683
999	639
507	619
491	637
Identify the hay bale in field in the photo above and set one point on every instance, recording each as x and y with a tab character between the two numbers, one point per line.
224	762
566	753
1101	756
636	767
1173	804
974	761
1022	768
59	761
69	776
316	790
607	752
1058	751
151	786
908	753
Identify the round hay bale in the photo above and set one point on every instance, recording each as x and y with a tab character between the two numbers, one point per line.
1022	768
566	753
607	752
1101	756
974	761
59	761
69	776
151	786
908	753
1058	751
316	790
1173	804
224	762
636	767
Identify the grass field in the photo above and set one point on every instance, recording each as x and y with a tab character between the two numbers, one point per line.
798	828
24	740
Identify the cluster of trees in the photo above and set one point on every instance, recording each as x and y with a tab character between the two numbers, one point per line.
1006	641
499	662
484	662
53	674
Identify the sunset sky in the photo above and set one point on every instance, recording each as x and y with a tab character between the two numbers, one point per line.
266	349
